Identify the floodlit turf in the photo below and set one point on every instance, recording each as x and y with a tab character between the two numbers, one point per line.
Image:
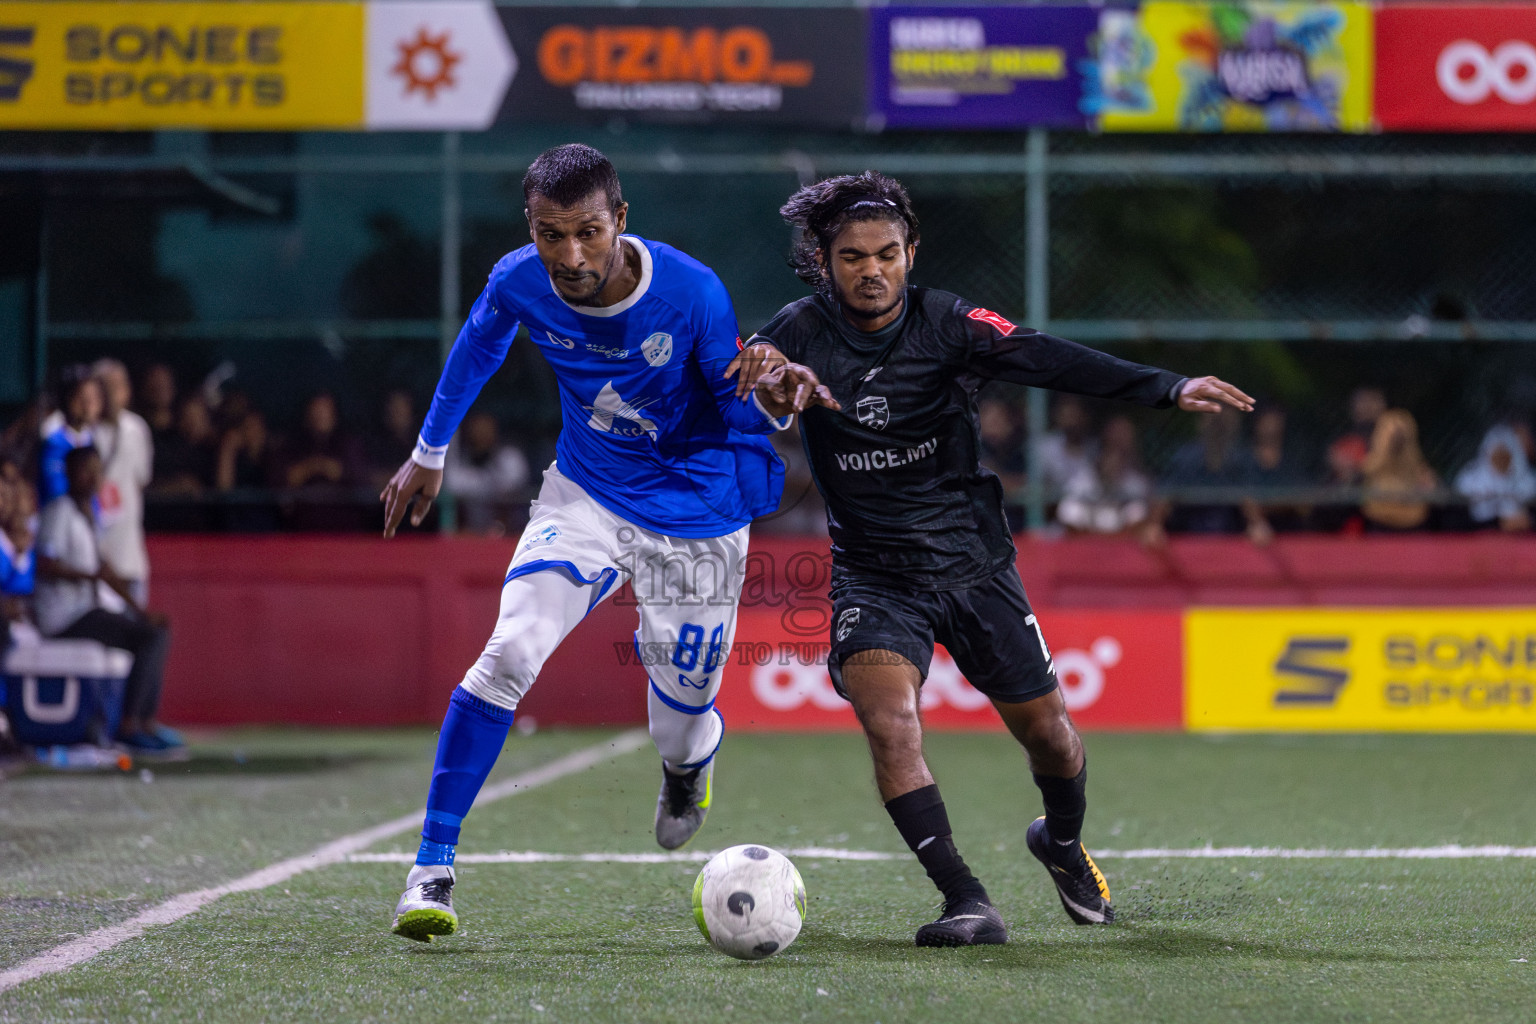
1206	940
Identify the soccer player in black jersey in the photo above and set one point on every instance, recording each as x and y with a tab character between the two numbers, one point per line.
887	376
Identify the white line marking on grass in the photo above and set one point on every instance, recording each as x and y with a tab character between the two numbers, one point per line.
1450	852
679	857
77	951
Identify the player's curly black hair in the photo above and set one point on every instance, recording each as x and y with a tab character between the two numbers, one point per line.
821	210
565	175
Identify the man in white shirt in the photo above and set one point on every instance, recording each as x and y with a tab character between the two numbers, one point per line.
127	456
79	595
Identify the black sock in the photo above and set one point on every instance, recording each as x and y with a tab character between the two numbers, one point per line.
1066	802
921	819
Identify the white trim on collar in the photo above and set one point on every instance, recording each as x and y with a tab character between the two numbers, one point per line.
628	300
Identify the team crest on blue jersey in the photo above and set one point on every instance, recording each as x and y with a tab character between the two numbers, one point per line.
657	349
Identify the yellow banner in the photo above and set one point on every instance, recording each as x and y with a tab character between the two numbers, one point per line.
1329	670
188	65
1224	67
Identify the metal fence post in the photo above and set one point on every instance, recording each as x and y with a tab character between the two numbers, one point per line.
1037	242
448	284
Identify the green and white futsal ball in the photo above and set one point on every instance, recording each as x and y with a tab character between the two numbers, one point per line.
749	902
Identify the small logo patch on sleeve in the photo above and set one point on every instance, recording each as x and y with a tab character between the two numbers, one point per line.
986	316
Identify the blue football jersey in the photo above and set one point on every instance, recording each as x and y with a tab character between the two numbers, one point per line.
652	429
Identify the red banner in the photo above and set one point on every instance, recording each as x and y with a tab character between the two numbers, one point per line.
1456	67
1117	670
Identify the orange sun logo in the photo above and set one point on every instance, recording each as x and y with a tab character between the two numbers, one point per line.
426	63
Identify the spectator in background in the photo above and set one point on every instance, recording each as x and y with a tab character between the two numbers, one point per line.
320	464
1347	453
1398	482
127	456
1069	447
1216	460
484	475
1111	497
1002	451
23	437
18	514
1499	485
244	466
386	448
157	402
1275	467
81	595
184	459
80	403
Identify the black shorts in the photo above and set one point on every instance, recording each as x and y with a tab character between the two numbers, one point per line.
988	629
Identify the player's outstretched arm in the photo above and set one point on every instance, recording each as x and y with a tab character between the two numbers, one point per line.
793	388
751	363
1209	394
412	485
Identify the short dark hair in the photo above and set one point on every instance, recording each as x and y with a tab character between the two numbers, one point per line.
821	210
565	175
75	457
71	379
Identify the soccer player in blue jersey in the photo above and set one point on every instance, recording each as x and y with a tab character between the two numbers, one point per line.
662	462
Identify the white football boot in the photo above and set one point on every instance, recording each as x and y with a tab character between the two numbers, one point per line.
426	907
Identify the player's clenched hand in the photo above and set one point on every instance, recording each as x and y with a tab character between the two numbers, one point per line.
411	485
751	363
792	388
1209	394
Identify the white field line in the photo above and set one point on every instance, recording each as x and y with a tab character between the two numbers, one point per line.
77	951
831	853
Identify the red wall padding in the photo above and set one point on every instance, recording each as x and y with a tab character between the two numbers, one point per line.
359	631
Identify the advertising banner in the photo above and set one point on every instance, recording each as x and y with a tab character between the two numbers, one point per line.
1312	670
1116	669
978	67
161	65
233	66
1462	67
1222	67
687	65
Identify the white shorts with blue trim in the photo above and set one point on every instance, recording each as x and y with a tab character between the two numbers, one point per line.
574	554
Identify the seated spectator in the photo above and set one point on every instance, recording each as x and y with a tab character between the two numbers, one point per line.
1275	468
392	442
321	464
484	475
184	460
243	472
80	404
80	595
1111	497
22	437
1216	460
17	514
1398	482
1068	448
1499	485
1346	455
1002	451
157	402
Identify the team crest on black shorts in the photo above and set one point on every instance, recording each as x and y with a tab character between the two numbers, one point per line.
873	412
847	622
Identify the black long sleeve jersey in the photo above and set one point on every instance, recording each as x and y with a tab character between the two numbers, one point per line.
907	498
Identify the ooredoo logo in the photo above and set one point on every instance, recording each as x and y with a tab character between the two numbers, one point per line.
1470	73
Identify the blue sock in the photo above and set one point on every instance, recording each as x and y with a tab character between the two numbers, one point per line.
473	734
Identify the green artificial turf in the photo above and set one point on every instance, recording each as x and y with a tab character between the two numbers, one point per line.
1197	940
